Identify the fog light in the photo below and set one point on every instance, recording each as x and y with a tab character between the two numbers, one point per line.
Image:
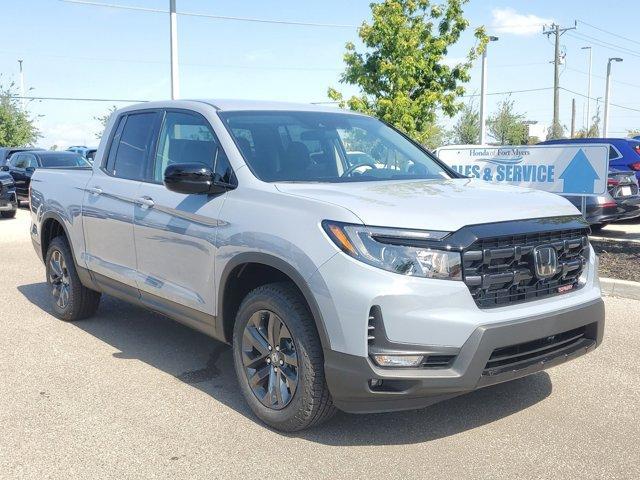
398	360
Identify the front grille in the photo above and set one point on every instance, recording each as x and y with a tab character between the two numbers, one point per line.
500	270
516	357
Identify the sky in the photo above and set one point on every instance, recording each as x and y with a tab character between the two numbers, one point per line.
88	51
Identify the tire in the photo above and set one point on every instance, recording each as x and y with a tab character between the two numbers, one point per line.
79	302
309	403
597	227
8	214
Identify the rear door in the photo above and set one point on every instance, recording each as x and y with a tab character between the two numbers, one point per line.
17	167
175	233
109	200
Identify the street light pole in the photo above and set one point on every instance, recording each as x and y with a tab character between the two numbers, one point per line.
607	94
588	125
483	94
22	103
173	27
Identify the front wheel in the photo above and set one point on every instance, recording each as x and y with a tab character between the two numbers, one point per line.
70	299
278	359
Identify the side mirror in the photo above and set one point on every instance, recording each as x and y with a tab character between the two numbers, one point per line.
30	169
194	178
4	168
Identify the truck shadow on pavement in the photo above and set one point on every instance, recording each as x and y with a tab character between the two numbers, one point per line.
206	364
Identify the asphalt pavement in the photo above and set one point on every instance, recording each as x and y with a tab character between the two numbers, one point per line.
131	394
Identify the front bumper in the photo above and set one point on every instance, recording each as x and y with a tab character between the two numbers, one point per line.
8	201
348	376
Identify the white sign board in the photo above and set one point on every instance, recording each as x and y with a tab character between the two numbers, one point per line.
570	169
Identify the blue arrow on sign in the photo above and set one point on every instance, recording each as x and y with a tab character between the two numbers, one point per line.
579	175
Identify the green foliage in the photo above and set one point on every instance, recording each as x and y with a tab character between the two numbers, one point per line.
506	126
104	119
633	133
17	126
594	129
401	75
467	129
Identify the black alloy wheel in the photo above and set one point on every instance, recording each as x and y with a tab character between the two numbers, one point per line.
270	360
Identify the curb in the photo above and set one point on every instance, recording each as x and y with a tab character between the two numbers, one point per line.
620	288
613	239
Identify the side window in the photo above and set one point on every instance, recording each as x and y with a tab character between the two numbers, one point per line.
31	161
19	161
613	153
188	138
134	146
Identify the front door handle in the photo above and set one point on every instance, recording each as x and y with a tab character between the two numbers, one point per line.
95	190
145	202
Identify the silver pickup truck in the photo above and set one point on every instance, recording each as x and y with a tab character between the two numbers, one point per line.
346	265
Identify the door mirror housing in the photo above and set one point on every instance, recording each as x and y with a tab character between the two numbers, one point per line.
193	178
4	168
30	169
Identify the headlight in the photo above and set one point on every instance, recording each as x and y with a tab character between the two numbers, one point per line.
407	252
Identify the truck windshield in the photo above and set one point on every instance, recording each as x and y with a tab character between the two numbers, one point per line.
283	146
63	160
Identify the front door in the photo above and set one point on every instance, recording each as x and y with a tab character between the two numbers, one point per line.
108	206
175	234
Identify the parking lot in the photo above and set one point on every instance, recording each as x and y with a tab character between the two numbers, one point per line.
131	394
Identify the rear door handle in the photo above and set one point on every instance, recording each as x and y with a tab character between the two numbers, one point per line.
95	190
145	202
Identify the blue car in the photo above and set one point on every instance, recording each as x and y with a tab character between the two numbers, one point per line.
622	200
624	153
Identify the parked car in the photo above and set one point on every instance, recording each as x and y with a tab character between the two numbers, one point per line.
624	153
6	152
21	166
620	202
8	199
90	154
367	289
79	149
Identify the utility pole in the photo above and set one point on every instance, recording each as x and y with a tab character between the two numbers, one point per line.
556	30
589	88
607	93
173	27
22	104
573	117
483	94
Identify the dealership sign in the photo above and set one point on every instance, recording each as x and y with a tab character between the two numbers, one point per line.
575	169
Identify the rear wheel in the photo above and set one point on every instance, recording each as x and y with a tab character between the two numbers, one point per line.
597	227
278	359
71	300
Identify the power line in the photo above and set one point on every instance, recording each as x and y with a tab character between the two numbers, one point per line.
601	43
216	17
608	32
592	98
603	77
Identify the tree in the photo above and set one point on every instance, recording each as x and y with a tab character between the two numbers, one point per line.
104	119
594	130
467	129
507	126
17	126
53	147
635	132
401	75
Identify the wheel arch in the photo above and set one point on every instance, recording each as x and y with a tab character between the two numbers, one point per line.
247	271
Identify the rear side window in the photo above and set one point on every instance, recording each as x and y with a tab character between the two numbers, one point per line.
613	153
132	145
188	138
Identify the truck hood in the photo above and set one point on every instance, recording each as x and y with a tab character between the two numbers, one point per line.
434	204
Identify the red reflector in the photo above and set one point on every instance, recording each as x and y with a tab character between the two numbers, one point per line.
612	182
635	166
565	288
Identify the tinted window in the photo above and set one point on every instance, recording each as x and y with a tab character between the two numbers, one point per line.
188	138
63	160
31	160
327	147
133	146
19	160
613	153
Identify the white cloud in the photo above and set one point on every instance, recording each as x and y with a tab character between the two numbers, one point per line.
507	20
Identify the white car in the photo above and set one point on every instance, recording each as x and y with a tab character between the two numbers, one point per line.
367	290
